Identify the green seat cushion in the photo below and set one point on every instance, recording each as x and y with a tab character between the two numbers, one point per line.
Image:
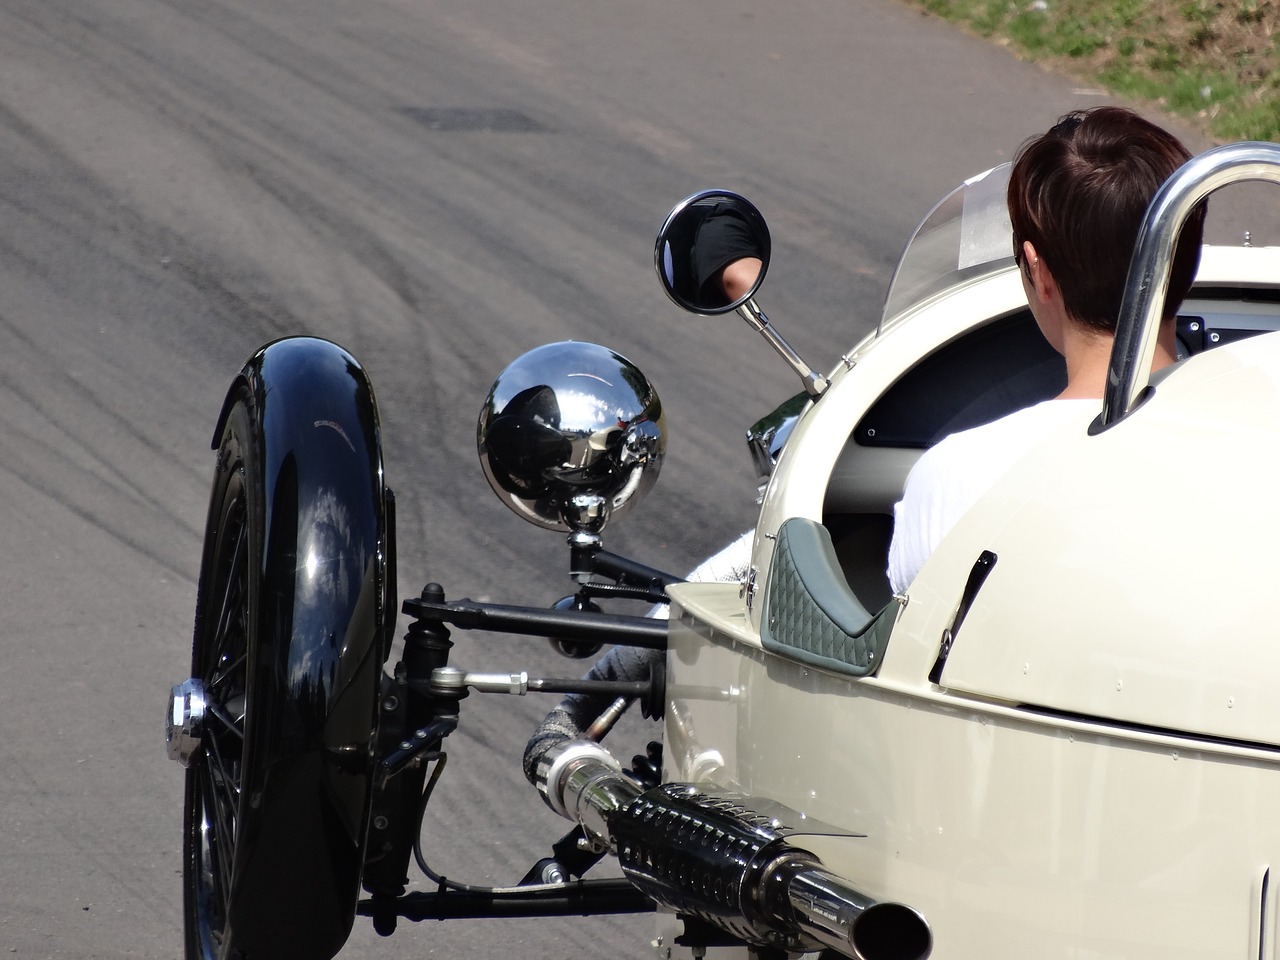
810	613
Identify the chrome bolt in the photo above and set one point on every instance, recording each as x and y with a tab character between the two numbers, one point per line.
184	726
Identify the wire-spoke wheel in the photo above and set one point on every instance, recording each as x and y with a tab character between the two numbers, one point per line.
220	665
277	722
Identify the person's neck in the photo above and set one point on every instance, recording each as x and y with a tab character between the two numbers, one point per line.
1087	351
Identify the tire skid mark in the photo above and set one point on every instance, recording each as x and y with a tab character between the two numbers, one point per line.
123	476
92	507
55	447
244	301
116	233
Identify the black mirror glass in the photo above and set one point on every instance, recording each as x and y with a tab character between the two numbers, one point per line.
712	252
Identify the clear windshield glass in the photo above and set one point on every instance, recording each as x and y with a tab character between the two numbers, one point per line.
966	236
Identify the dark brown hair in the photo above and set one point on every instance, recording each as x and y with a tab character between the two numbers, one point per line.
1079	193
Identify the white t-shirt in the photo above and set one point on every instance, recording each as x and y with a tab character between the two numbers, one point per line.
950	477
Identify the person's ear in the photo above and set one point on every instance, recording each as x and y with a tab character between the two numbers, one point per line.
1037	272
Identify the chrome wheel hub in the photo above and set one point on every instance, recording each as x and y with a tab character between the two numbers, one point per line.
184	726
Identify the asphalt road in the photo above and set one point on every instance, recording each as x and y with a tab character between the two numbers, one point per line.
181	182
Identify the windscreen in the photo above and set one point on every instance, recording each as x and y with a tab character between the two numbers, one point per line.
966	236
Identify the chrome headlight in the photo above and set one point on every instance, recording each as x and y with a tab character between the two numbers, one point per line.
570	434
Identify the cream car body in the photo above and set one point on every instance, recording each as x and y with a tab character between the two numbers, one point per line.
1093	770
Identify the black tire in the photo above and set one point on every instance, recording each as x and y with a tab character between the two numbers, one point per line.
290	636
225	609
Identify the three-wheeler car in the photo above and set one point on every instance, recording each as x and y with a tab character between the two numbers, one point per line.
1061	740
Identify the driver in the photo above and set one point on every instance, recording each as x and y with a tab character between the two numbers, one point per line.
725	257
1077	196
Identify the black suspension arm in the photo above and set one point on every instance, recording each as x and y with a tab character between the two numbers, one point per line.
580	898
467	614
630	572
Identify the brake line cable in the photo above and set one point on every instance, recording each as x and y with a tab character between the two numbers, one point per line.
447	884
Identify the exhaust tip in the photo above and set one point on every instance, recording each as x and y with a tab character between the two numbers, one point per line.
891	931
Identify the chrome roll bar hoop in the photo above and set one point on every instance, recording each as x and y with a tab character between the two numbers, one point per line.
1148	282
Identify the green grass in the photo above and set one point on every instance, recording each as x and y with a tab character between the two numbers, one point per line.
1214	62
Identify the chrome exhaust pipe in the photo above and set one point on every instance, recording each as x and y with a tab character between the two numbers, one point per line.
718	859
829	910
583	782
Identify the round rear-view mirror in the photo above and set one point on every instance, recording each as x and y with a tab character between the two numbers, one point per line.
712	252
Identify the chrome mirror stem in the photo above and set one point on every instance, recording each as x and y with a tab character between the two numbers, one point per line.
815	384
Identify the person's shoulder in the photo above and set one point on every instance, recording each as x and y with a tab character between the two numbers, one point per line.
1034	417
1001	437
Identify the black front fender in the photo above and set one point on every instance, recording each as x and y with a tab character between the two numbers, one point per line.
314	670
